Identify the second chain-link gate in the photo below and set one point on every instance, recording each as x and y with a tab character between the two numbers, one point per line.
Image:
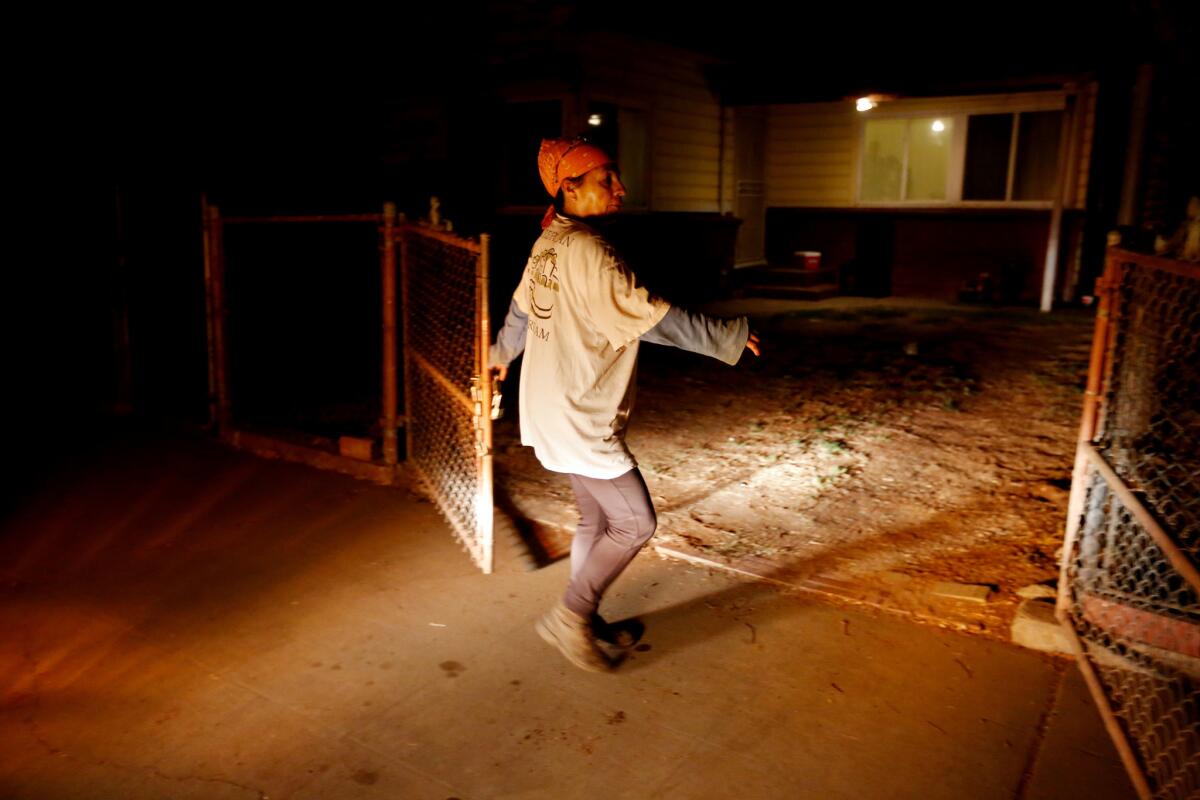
1130	588
446	380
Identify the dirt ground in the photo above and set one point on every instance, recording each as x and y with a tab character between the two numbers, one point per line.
886	445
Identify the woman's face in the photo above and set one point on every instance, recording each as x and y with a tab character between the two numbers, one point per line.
600	192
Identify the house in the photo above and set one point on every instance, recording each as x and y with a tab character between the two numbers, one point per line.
998	179
927	196
921	196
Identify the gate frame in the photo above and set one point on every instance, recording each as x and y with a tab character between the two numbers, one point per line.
476	398
1091	425
394	231
220	414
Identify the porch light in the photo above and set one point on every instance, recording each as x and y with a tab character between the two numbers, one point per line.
595	120
864	104
938	126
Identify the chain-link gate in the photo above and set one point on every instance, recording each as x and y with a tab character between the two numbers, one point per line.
447	383
447	387
1129	587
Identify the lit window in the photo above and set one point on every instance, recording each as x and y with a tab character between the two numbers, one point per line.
1009	157
906	159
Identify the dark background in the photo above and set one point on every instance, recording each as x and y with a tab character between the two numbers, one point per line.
124	119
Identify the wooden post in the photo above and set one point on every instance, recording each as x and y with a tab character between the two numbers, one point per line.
209	321
388	266
123	390
220	356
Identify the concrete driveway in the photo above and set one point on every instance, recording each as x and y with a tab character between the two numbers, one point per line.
184	621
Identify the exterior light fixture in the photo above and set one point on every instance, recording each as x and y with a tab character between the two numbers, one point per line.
868	101
938	126
595	120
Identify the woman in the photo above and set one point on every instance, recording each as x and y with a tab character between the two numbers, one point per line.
579	314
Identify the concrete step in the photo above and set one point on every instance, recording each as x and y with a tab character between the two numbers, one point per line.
787	276
817	292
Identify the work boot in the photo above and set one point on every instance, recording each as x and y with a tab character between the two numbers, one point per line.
624	634
572	635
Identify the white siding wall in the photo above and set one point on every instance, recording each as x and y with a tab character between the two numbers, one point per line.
684	117
810	154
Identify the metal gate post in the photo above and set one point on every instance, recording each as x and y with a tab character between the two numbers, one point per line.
219	328
484	509
388	267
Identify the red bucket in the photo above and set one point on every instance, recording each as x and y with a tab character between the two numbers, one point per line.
810	258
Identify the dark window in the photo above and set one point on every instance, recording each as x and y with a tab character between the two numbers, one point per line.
985	174
1037	155
989	158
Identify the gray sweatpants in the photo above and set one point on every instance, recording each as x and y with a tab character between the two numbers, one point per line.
616	517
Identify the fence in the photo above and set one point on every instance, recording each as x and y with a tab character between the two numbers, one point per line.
446	386
1129	586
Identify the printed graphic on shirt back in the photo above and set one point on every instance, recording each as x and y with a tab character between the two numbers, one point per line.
543	283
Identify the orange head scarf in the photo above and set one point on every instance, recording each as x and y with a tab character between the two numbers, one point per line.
559	159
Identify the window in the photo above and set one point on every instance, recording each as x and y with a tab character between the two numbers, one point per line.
1037	155
1011	156
1001	158
985	175
883	160
906	159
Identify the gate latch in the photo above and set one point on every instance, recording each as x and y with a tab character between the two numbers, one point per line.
477	405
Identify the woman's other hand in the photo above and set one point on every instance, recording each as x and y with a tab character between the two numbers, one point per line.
752	344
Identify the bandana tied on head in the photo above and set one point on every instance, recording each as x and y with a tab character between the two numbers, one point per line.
559	159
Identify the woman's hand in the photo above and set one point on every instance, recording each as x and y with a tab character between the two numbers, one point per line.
752	344
499	373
